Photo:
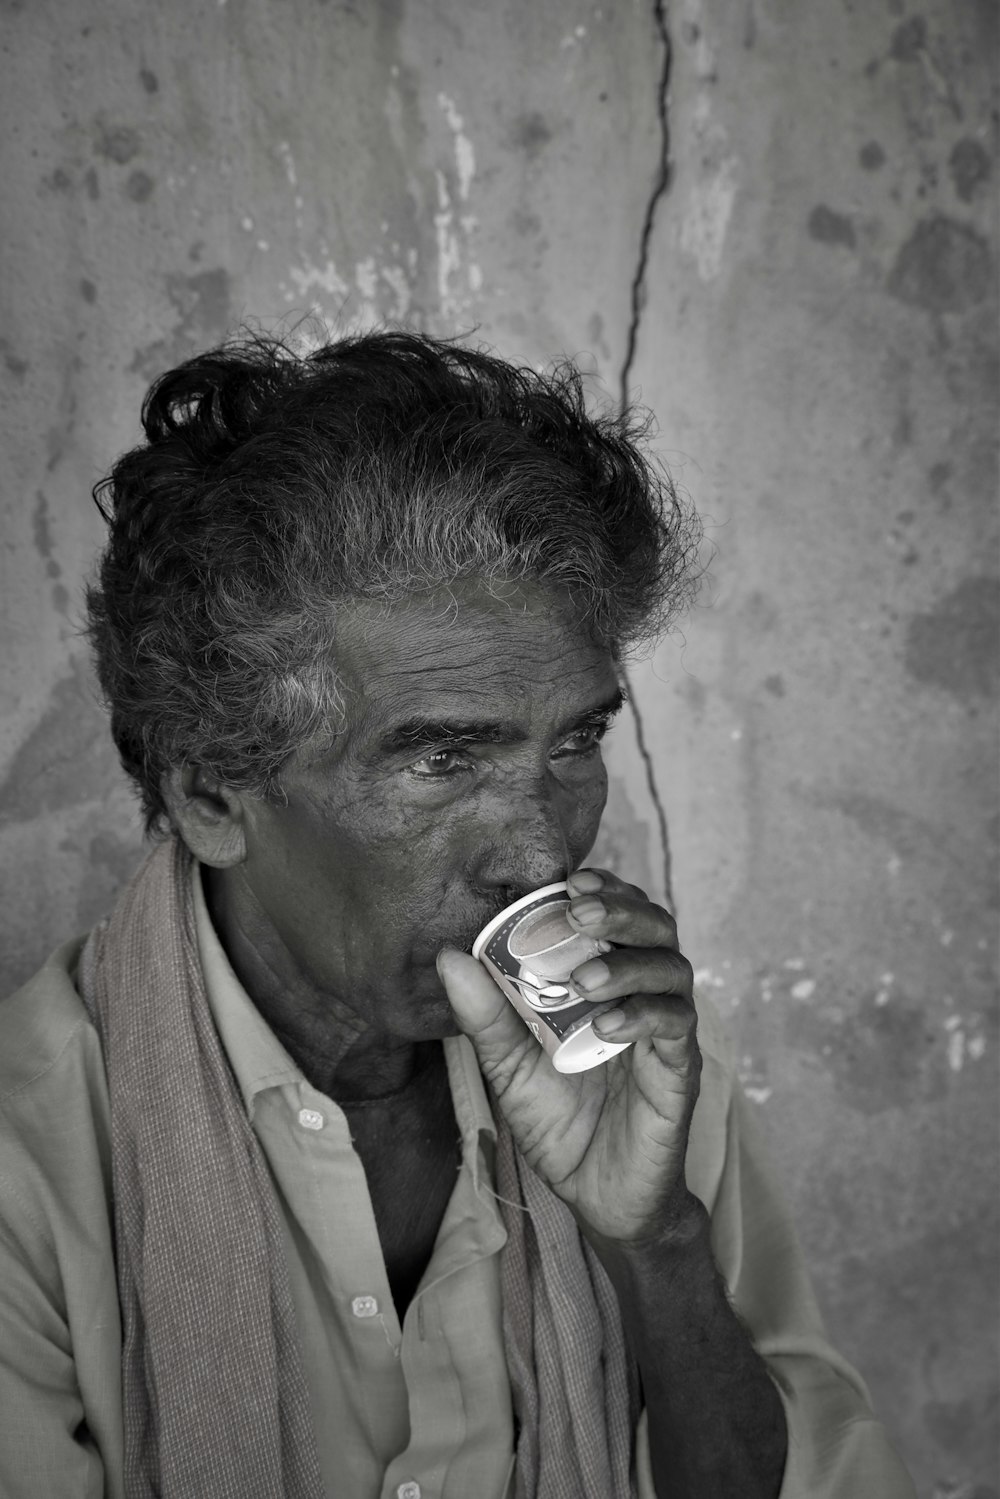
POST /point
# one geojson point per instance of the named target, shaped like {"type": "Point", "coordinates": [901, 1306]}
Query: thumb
{"type": "Point", "coordinates": [481, 1008]}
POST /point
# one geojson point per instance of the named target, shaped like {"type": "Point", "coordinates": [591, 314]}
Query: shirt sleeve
{"type": "Point", "coordinates": [45, 1447]}
{"type": "Point", "coordinates": [60, 1339]}
{"type": "Point", "coordinates": [836, 1447]}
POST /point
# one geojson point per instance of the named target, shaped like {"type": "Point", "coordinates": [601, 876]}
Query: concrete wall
{"type": "Point", "coordinates": [808, 303]}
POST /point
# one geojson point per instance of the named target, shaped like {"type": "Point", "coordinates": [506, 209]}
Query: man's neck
{"type": "Point", "coordinates": [339, 1055]}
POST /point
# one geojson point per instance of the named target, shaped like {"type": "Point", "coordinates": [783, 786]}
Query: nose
{"type": "Point", "coordinates": [526, 848]}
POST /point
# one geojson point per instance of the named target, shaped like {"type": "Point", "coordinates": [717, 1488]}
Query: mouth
{"type": "Point", "coordinates": [460, 936]}
{"type": "Point", "coordinates": [461, 930]}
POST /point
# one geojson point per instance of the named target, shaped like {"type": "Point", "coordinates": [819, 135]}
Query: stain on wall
{"type": "Point", "coordinates": [810, 309]}
{"type": "Point", "coordinates": [944, 266]}
{"type": "Point", "coordinates": [954, 645]}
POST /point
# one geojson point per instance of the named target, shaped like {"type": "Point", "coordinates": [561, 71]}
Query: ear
{"type": "Point", "coordinates": [208, 816]}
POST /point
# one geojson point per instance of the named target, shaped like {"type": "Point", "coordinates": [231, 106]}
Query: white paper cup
{"type": "Point", "coordinates": [530, 950]}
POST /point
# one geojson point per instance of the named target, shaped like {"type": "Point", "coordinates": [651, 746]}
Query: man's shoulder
{"type": "Point", "coordinates": [54, 1113]}
{"type": "Point", "coordinates": [40, 1022]}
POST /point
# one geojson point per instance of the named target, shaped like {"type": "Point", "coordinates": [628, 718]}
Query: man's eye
{"type": "Point", "coordinates": [441, 763]}
{"type": "Point", "coordinates": [584, 741]}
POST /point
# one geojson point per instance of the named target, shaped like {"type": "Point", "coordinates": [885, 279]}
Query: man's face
{"type": "Point", "coordinates": [468, 773]}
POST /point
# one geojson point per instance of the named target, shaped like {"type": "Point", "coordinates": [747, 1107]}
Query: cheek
{"type": "Point", "coordinates": [586, 811]}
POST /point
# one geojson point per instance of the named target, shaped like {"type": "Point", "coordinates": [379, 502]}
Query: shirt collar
{"type": "Point", "coordinates": [255, 1054]}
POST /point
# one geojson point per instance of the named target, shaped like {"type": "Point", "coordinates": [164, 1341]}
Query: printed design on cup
{"type": "Point", "coordinates": [531, 950]}
{"type": "Point", "coordinates": [545, 953]}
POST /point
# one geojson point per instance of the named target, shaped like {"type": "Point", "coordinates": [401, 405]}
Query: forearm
{"type": "Point", "coordinates": [716, 1421]}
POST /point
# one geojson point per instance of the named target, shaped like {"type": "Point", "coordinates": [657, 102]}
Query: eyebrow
{"type": "Point", "coordinates": [423, 732]}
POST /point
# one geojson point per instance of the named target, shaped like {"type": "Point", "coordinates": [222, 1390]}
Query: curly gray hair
{"type": "Point", "coordinates": [273, 488]}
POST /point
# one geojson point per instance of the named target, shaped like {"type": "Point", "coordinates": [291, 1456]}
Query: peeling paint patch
{"type": "Point", "coordinates": [366, 277]}
{"type": "Point", "coordinates": [449, 257]}
{"type": "Point", "coordinates": [203, 305]}
{"type": "Point", "coordinates": [288, 162]}
{"type": "Point", "coordinates": [705, 978]}
{"type": "Point", "coordinates": [395, 278]}
{"type": "Point", "coordinates": [325, 278]}
{"type": "Point", "coordinates": [454, 231]}
{"type": "Point", "coordinates": [944, 266]}
{"type": "Point", "coordinates": [964, 1039]}
{"type": "Point", "coordinates": [954, 645]}
{"type": "Point", "coordinates": [43, 535]}
{"type": "Point", "coordinates": [706, 219]}
{"type": "Point", "coordinates": [465, 156]}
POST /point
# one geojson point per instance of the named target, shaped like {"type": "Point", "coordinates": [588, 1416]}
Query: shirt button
{"type": "Point", "coordinates": [408, 1490]}
{"type": "Point", "coordinates": [310, 1119]}
{"type": "Point", "coordinates": [367, 1306]}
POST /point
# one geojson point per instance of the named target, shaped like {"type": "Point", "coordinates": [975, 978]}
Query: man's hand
{"type": "Point", "coordinates": [611, 1141]}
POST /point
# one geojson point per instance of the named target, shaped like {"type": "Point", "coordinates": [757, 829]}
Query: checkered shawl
{"type": "Point", "coordinates": [214, 1396]}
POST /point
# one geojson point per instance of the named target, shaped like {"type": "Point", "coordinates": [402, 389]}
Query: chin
{"type": "Point", "coordinates": [427, 1015]}
{"type": "Point", "coordinates": [441, 1018]}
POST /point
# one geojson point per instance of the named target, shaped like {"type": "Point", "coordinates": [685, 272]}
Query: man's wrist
{"type": "Point", "coordinates": [678, 1243]}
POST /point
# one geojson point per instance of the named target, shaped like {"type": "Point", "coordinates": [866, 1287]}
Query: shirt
{"type": "Point", "coordinates": [426, 1403]}
{"type": "Point", "coordinates": [414, 1411]}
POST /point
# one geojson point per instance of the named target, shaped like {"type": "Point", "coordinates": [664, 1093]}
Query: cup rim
{"type": "Point", "coordinates": [492, 926]}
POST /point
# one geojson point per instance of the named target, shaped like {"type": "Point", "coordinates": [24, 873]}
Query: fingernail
{"type": "Point", "coordinates": [586, 880]}
{"type": "Point", "coordinates": [592, 975]}
{"type": "Point", "coordinates": [588, 912]}
{"type": "Point", "coordinates": [611, 1020]}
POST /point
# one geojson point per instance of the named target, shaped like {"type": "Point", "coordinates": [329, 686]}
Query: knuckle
{"type": "Point", "coordinates": [685, 975]}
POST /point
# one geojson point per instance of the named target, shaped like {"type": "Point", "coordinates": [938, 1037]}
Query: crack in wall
{"type": "Point", "coordinates": [661, 183]}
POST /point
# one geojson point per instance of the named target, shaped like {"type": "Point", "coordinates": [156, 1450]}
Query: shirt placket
{"type": "Point", "coordinates": [443, 1339]}
{"type": "Point", "coordinates": [322, 1181]}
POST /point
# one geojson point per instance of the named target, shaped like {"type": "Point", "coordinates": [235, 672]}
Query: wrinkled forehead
{"type": "Point", "coordinates": [465, 648]}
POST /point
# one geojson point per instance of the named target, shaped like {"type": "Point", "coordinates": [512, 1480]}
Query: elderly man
{"type": "Point", "coordinates": [292, 1203]}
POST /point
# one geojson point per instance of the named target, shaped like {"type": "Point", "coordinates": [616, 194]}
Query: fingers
{"type": "Point", "coordinates": [477, 1001]}
{"type": "Point", "coordinates": [623, 916]}
{"type": "Point", "coordinates": [589, 881]}
{"type": "Point", "coordinates": [663, 1018]}
{"type": "Point", "coordinates": [483, 1011]}
{"type": "Point", "coordinates": [635, 970]}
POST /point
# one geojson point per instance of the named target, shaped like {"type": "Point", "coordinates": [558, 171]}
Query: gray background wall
{"type": "Point", "coordinates": [808, 302]}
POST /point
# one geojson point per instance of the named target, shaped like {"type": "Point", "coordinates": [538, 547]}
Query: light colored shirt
{"type": "Point", "coordinates": [426, 1403]}
{"type": "Point", "coordinates": [418, 1411]}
